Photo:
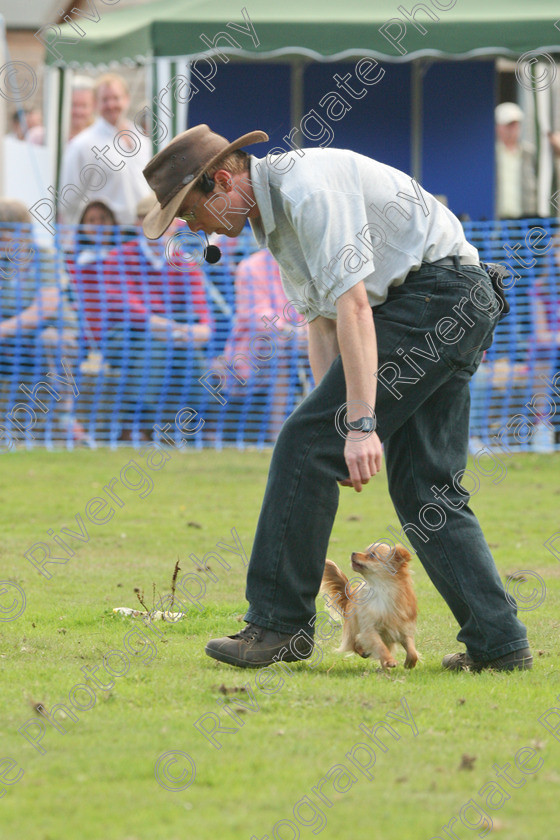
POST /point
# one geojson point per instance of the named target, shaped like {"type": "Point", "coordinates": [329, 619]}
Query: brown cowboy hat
{"type": "Point", "coordinates": [174, 171]}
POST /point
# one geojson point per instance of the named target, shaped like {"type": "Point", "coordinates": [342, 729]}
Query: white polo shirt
{"type": "Point", "coordinates": [123, 187]}
{"type": "Point", "coordinates": [332, 218]}
{"type": "Point", "coordinates": [509, 178]}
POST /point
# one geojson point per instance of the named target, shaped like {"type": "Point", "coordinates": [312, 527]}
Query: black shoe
{"type": "Point", "coordinates": [257, 647]}
{"type": "Point", "coordinates": [521, 659]}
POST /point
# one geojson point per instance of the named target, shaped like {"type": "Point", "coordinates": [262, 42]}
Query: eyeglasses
{"type": "Point", "coordinates": [190, 215]}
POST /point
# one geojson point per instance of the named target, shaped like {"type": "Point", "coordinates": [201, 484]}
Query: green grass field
{"type": "Point", "coordinates": [292, 743]}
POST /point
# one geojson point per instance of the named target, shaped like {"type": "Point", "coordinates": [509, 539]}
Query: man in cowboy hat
{"type": "Point", "coordinates": [400, 313]}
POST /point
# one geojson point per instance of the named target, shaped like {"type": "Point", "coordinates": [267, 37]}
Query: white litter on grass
{"type": "Point", "coordinates": [155, 615]}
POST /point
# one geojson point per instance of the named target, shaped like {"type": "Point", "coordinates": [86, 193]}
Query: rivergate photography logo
{"type": "Point", "coordinates": [18, 81]}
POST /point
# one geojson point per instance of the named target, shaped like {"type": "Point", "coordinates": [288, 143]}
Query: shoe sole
{"type": "Point", "coordinates": [476, 669]}
{"type": "Point", "coordinates": [222, 656]}
{"type": "Point", "coordinates": [524, 664]}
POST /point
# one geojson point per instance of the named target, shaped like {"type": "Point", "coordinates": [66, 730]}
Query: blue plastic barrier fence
{"type": "Point", "coordinates": [107, 340]}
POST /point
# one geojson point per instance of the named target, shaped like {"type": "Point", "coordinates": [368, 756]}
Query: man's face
{"type": "Point", "coordinates": [83, 104]}
{"type": "Point", "coordinates": [510, 133]}
{"type": "Point", "coordinates": [112, 102]}
{"type": "Point", "coordinates": [223, 211]}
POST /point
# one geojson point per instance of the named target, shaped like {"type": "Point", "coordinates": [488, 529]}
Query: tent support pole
{"type": "Point", "coordinates": [417, 106]}
{"type": "Point", "coordinates": [296, 93]}
{"type": "Point", "coordinates": [3, 54]}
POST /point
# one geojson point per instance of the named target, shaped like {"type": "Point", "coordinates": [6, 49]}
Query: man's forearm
{"type": "Point", "coordinates": [358, 348]}
{"type": "Point", "coordinates": [322, 346]}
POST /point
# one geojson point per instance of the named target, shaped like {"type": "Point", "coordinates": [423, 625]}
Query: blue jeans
{"type": "Point", "coordinates": [423, 422]}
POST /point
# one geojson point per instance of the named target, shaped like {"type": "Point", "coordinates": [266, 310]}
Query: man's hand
{"type": "Point", "coordinates": [363, 455]}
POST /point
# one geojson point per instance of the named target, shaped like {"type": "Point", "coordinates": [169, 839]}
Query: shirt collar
{"type": "Point", "coordinates": [106, 127]}
{"type": "Point", "coordinates": [264, 226]}
{"type": "Point", "coordinates": [102, 125]}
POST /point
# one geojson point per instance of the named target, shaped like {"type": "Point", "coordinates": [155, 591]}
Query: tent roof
{"type": "Point", "coordinates": [316, 29]}
{"type": "Point", "coordinates": [28, 15]}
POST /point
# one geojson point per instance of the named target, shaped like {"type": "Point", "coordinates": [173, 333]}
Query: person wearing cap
{"type": "Point", "coordinates": [400, 312]}
{"type": "Point", "coordinates": [516, 182]}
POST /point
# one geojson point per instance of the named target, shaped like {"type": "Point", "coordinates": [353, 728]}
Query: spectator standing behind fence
{"type": "Point", "coordinates": [124, 186]}
{"type": "Point", "coordinates": [516, 181]}
{"type": "Point", "coordinates": [164, 326]}
{"type": "Point", "coordinates": [260, 299]}
{"type": "Point", "coordinates": [37, 323]}
{"type": "Point", "coordinates": [82, 108]}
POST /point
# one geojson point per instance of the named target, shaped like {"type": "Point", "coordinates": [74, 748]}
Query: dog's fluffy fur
{"type": "Point", "coordinates": [382, 611]}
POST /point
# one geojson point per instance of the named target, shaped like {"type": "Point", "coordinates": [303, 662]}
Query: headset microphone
{"type": "Point", "coordinates": [212, 253]}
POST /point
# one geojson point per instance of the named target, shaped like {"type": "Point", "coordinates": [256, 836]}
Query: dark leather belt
{"type": "Point", "coordinates": [451, 261]}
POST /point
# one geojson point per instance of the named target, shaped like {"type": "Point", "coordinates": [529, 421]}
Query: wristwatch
{"type": "Point", "coordinates": [364, 424]}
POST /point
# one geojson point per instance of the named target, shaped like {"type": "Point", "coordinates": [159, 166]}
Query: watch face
{"type": "Point", "coordinates": [364, 424]}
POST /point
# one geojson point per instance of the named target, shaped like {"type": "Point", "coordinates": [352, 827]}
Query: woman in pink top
{"type": "Point", "coordinates": [267, 386]}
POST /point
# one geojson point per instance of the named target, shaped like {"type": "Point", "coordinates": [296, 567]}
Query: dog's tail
{"type": "Point", "coordinates": [335, 584]}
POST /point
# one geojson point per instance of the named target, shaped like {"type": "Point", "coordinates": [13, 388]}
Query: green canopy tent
{"type": "Point", "coordinates": [325, 30]}
{"type": "Point", "coordinates": [170, 35]}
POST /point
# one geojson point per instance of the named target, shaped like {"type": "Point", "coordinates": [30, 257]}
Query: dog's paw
{"type": "Point", "coordinates": [410, 662]}
{"type": "Point", "coordinates": [389, 663]}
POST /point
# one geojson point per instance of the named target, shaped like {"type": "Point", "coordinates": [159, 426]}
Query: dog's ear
{"type": "Point", "coordinates": [402, 555]}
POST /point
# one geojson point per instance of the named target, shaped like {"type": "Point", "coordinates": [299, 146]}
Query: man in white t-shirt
{"type": "Point", "coordinates": [105, 161]}
{"type": "Point", "coordinates": [516, 177]}
{"type": "Point", "coordinates": [400, 313]}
